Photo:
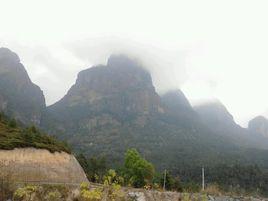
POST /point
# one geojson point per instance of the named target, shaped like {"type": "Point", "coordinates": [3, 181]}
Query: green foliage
{"type": "Point", "coordinates": [12, 123]}
{"type": "Point", "coordinates": [112, 182]}
{"type": "Point", "coordinates": [87, 194]}
{"type": "Point", "coordinates": [94, 167]}
{"type": "Point", "coordinates": [185, 197]}
{"type": "Point", "coordinates": [193, 187]}
{"type": "Point", "coordinates": [113, 178]}
{"type": "Point", "coordinates": [44, 192]}
{"type": "Point", "coordinates": [238, 178]}
{"type": "Point", "coordinates": [138, 171]}
{"type": "Point", "coordinates": [12, 136]}
{"type": "Point", "coordinates": [53, 196]}
{"type": "Point", "coordinates": [24, 193]}
{"type": "Point", "coordinates": [115, 192]}
{"type": "Point", "coordinates": [172, 183]}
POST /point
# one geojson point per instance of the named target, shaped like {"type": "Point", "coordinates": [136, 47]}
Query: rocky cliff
{"type": "Point", "coordinates": [114, 107]}
{"type": "Point", "coordinates": [40, 166]}
{"type": "Point", "coordinates": [19, 97]}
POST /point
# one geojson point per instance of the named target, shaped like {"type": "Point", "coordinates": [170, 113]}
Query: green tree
{"type": "Point", "coordinates": [138, 171]}
{"type": "Point", "coordinates": [12, 123]}
{"type": "Point", "coordinates": [94, 167]}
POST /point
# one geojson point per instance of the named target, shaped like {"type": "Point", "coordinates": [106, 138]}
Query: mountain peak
{"type": "Point", "coordinates": [259, 125]}
{"type": "Point", "coordinates": [120, 73]}
{"type": "Point", "coordinates": [121, 88]}
{"type": "Point", "coordinates": [121, 60]}
{"type": "Point", "coordinates": [176, 97]}
{"type": "Point", "coordinates": [19, 97]}
{"type": "Point", "coordinates": [7, 55]}
{"type": "Point", "coordinates": [215, 113]}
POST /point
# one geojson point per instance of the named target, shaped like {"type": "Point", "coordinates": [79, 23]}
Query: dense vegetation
{"type": "Point", "coordinates": [14, 136]}
{"type": "Point", "coordinates": [137, 172]}
{"type": "Point", "coordinates": [235, 178]}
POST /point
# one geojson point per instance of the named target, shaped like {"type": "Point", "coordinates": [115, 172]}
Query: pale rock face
{"type": "Point", "coordinates": [41, 166]}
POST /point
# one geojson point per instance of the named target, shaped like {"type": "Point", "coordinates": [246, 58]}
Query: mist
{"type": "Point", "coordinates": [165, 63]}
{"type": "Point", "coordinates": [209, 49]}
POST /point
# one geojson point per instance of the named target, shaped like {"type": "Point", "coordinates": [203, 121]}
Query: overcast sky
{"type": "Point", "coordinates": [209, 49]}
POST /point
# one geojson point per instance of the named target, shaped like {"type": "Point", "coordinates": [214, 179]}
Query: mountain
{"type": "Point", "coordinates": [19, 97]}
{"type": "Point", "coordinates": [114, 107]}
{"type": "Point", "coordinates": [26, 155]}
{"type": "Point", "coordinates": [178, 107]}
{"type": "Point", "coordinates": [215, 115]}
{"type": "Point", "coordinates": [259, 126]}
{"type": "Point", "coordinates": [218, 119]}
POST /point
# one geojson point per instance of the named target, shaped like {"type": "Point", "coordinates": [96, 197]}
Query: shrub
{"type": "Point", "coordinates": [53, 196]}
{"type": "Point", "coordinates": [91, 195]}
{"type": "Point", "coordinates": [138, 171]}
{"type": "Point", "coordinates": [24, 193]}
{"type": "Point", "coordinates": [87, 194]}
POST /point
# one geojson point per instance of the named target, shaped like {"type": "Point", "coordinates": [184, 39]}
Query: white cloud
{"type": "Point", "coordinates": [210, 48]}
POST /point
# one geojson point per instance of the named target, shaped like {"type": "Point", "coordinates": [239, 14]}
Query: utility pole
{"type": "Point", "coordinates": [203, 178]}
{"type": "Point", "coordinates": [165, 175]}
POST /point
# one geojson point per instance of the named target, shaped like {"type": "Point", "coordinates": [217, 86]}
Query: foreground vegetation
{"type": "Point", "coordinates": [139, 173]}
{"type": "Point", "coordinates": [136, 172]}
{"type": "Point", "coordinates": [13, 135]}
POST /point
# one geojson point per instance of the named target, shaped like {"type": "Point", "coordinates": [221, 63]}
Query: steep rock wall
{"type": "Point", "coordinates": [41, 166]}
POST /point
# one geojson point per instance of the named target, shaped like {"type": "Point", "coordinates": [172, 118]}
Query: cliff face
{"type": "Point", "coordinates": [121, 89]}
{"type": "Point", "coordinates": [114, 107]}
{"type": "Point", "coordinates": [41, 166]}
{"type": "Point", "coordinates": [19, 97]}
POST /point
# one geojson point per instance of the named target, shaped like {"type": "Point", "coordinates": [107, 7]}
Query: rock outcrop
{"type": "Point", "coordinates": [259, 126]}
{"type": "Point", "coordinates": [40, 166]}
{"type": "Point", "coordinates": [19, 97]}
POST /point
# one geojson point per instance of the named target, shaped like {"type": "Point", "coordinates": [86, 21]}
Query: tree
{"type": "Point", "coordinates": [94, 167]}
{"type": "Point", "coordinates": [138, 171]}
{"type": "Point", "coordinates": [12, 123]}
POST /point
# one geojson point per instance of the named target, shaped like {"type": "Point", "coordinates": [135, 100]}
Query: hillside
{"type": "Point", "coordinates": [114, 107]}
{"type": "Point", "coordinates": [12, 136]}
{"type": "Point", "coordinates": [219, 120]}
{"type": "Point", "coordinates": [19, 97]}
{"type": "Point", "coordinates": [27, 155]}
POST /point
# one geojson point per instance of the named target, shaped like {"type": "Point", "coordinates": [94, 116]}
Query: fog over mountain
{"type": "Point", "coordinates": [210, 56]}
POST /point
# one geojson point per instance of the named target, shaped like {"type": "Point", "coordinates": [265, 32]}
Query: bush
{"type": "Point", "coordinates": [12, 136]}
{"type": "Point", "coordinates": [53, 196]}
{"type": "Point", "coordinates": [87, 194]}
{"type": "Point", "coordinates": [91, 195]}
{"type": "Point", "coordinates": [138, 171]}
{"type": "Point", "coordinates": [24, 193]}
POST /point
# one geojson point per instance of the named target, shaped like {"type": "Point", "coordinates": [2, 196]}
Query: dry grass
{"type": "Point", "coordinates": [213, 189]}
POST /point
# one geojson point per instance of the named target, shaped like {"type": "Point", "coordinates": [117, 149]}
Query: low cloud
{"type": "Point", "coordinates": [165, 63]}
